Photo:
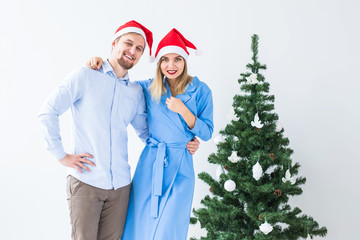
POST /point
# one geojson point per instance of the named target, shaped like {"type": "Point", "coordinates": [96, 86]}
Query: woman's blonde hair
{"type": "Point", "coordinates": [157, 87]}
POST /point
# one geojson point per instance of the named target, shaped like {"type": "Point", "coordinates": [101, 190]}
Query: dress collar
{"type": "Point", "coordinates": [190, 88]}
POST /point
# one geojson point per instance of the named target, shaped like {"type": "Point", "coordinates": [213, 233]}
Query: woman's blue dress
{"type": "Point", "coordinates": [163, 184]}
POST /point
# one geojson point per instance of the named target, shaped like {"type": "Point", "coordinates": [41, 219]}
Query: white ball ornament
{"type": "Point", "coordinates": [229, 185]}
{"type": "Point", "coordinates": [278, 127]}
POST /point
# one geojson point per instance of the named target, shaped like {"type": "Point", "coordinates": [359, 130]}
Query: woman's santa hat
{"type": "Point", "coordinates": [135, 27]}
{"type": "Point", "coordinates": [174, 42]}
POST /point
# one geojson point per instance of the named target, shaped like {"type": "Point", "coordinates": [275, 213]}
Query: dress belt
{"type": "Point", "coordinates": [158, 171]}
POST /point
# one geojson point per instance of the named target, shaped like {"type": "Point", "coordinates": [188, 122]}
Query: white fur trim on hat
{"type": "Point", "coordinates": [171, 49]}
{"type": "Point", "coordinates": [129, 30]}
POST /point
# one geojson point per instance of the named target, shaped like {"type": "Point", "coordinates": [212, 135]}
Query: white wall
{"type": "Point", "coordinates": [312, 52]}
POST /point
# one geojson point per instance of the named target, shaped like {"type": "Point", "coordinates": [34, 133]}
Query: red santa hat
{"type": "Point", "coordinates": [135, 27]}
{"type": "Point", "coordinates": [174, 42]}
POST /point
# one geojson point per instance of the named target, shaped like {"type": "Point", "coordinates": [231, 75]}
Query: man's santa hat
{"type": "Point", "coordinates": [174, 42]}
{"type": "Point", "coordinates": [135, 27]}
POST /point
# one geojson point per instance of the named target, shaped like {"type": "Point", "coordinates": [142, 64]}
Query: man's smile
{"type": "Point", "coordinates": [129, 57]}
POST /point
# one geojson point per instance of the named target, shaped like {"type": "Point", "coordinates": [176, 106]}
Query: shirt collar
{"type": "Point", "coordinates": [106, 67]}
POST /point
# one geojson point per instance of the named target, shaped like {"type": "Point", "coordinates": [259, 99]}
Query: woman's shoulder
{"type": "Point", "coordinates": [199, 85]}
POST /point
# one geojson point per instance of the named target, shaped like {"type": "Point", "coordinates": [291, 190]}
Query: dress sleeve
{"type": "Point", "coordinates": [204, 126]}
{"type": "Point", "coordinates": [59, 101]}
{"type": "Point", "coordinates": [144, 83]}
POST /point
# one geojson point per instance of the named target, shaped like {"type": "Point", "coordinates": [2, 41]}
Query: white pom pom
{"type": "Point", "coordinates": [229, 185]}
{"type": "Point", "coordinates": [278, 127]}
{"type": "Point", "coordinates": [151, 59]}
{"type": "Point", "coordinates": [198, 52]}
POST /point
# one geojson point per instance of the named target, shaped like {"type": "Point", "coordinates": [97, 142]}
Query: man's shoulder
{"type": "Point", "coordinates": [83, 71]}
{"type": "Point", "coordinates": [84, 74]}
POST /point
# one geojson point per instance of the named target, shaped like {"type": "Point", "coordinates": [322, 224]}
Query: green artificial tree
{"type": "Point", "coordinates": [255, 176]}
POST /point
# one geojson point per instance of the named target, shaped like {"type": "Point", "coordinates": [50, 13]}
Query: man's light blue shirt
{"type": "Point", "coordinates": [102, 106]}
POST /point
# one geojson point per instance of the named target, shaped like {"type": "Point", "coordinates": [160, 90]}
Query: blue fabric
{"type": "Point", "coordinates": [163, 185]}
{"type": "Point", "coordinates": [158, 171]}
{"type": "Point", "coordinates": [102, 106]}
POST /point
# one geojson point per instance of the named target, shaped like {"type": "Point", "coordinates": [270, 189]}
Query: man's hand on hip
{"type": "Point", "coordinates": [193, 145]}
{"type": "Point", "coordinates": [77, 161]}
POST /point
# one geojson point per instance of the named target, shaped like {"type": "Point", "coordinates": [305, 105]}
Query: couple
{"type": "Point", "coordinates": [167, 112]}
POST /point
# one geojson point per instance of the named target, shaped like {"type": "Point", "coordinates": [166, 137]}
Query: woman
{"type": "Point", "coordinates": [179, 108]}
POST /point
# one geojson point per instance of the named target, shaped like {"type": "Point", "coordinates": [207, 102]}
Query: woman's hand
{"type": "Point", "coordinates": [94, 63]}
{"type": "Point", "coordinates": [175, 105]}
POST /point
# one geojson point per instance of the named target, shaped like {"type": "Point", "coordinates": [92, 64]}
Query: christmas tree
{"type": "Point", "coordinates": [255, 176]}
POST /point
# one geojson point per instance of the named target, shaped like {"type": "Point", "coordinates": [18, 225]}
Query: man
{"type": "Point", "coordinates": [103, 103]}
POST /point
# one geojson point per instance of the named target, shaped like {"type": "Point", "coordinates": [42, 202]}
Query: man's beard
{"type": "Point", "coordinates": [126, 65]}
